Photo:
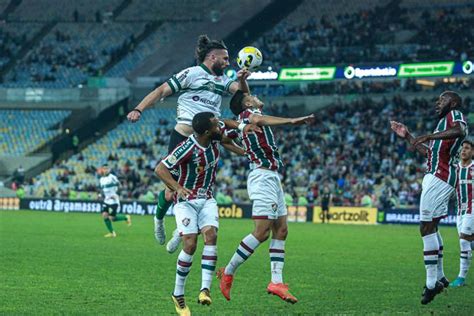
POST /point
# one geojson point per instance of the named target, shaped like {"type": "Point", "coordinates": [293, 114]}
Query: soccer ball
{"type": "Point", "coordinates": [249, 58]}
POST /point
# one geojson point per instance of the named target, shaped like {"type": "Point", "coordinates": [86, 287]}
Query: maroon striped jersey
{"type": "Point", "coordinates": [260, 148]}
{"type": "Point", "coordinates": [444, 154]}
{"type": "Point", "coordinates": [464, 189]}
{"type": "Point", "coordinates": [196, 167]}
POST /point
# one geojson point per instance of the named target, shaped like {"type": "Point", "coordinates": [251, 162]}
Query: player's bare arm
{"type": "Point", "coordinates": [229, 145]}
{"type": "Point", "coordinates": [456, 131]}
{"type": "Point", "coordinates": [402, 131]}
{"type": "Point", "coordinates": [164, 174]}
{"type": "Point", "coordinates": [241, 83]}
{"type": "Point", "coordinates": [266, 120]}
{"type": "Point", "coordinates": [248, 128]}
{"type": "Point", "coordinates": [159, 93]}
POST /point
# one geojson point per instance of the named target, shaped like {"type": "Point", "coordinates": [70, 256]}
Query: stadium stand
{"type": "Point", "coordinates": [68, 11]}
{"type": "Point", "coordinates": [24, 131]}
{"type": "Point", "coordinates": [345, 32]}
{"type": "Point", "coordinates": [72, 52]}
{"type": "Point", "coordinates": [355, 161]}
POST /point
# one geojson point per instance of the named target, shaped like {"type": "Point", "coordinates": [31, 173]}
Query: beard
{"type": "Point", "coordinates": [217, 69]}
{"type": "Point", "coordinates": [444, 111]}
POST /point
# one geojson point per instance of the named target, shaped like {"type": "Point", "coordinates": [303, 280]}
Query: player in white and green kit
{"type": "Point", "coordinates": [109, 185]}
{"type": "Point", "coordinates": [202, 88]}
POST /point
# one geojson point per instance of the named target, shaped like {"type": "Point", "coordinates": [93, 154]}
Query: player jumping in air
{"type": "Point", "coordinates": [109, 185]}
{"type": "Point", "coordinates": [438, 183]}
{"type": "Point", "coordinates": [196, 159]}
{"type": "Point", "coordinates": [202, 88]}
{"type": "Point", "coordinates": [264, 188]}
{"type": "Point", "coordinates": [464, 206]}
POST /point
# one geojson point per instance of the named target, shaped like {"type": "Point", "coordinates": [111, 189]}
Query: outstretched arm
{"type": "Point", "coordinates": [241, 83]}
{"type": "Point", "coordinates": [266, 120]}
{"type": "Point", "coordinates": [159, 93]}
{"type": "Point", "coordinates": [456, 131]}
{"type": "Point", "coordinates": [402, 131]}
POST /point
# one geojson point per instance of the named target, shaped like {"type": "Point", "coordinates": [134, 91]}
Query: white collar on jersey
{"type": "Point", "coordinates": [468, 166]}
{"type": "Point", "coordinates": [193, 138]}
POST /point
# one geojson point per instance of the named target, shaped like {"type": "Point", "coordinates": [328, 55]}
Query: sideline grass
{"type": "Point", "coordinates": [60, 263]}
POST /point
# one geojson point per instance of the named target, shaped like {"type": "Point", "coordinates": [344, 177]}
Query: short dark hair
{"type": "Point", "coordinates": [205, 45]}
{"type": "Point", "coordinates": [236, 102]}
{"type": "Point", "coordinates": [202, 122]}
{"type": "Point", "coordinates": [456, 98]}
{"type": "Point", "coordinates": [468, 141]}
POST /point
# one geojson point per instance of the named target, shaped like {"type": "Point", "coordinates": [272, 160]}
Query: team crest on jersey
{"type": "Point", "coordinates": [172, 159]}
{"type": "Point", "coordinates": [211, 86]}
{"type": "Point", "coordinates": [200, 169]}
{"type": "Point", "coordinates": [186, 221]}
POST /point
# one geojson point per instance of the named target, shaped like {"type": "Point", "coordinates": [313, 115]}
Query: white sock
{"type": "Point", "coordinates": [277, 259]}
{"type": "Point", "coordinates": [440, 271]}
{"type": "Point", "coordinates": [430, 256]}
{"type": "Point", "coordinates": [208, 265]}
{"type": "Point", "coordinates": [466, 257]}
{"type": "Point", "coordinates": [244, 251]}
{"type": "Point", "coordinates": [183, 266]}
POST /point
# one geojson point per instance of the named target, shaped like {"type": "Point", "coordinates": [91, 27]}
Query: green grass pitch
{"type": "Point", "coordinates": [57, 263]}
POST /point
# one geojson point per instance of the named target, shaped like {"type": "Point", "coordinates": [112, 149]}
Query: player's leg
{"type": "Point", "coordinates": [208, 222]}
{"type": "Point", "coordinates": [440, 269]}
{"type": "Point", "coordinates": [245, 249]}
{"type": "Point", "coordinates": [433, 206]}
{"type": "Point", "coordinates": [277, 251]}
{"type": "Point", "coordinates": [324, 216]}
{"type": "Point", "coordinates": [465, 228]}
{"type": "Point", "coordinates": [186, 220]}
{"type": "Point", "coordinates": [165, 197]}
{"type": "Point", "coordinates": [108, 224]}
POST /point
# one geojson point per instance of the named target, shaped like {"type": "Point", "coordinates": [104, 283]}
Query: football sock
{"type": "Point", "coordinates": [120, 217]}
{"type": "Point", "coordinates": [183, 266]}
{"type": "Point", "coordinates": [244, 251]}
{"type": "Point", "coordinates": [277, 259]}
{"type": "Point", "coordinates": [162, 206]}
{"type": "Point", "coordinates": [466, 257]}
{"type": "Point", "coordinates": [108, 223]}
{"type": "Point", "coordinates": [208, 265]}
{"type": "Point", "coordinates": [440, 257]}
{"type": "Point", "coordinates": [430, 256]}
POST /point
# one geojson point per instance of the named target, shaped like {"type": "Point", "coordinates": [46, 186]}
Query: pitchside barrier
{"type": "Point", "coordinates": [338, 214]}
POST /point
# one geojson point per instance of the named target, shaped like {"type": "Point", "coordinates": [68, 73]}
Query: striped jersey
{"type": "Point", "coordinates": [202, 92]}
{"type": "Point", "coordinates": [464, 189]}
{"type": "Point", "coordinates": [444, 154]}
{"type": "Point", "coordinates": [260, 148]}
{"type": "Point", "coordinates": [109, 186]}
{"type": "Point", "coordinates": [196, 166]}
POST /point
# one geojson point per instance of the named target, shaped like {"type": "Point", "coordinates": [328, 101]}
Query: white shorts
{"type": "Point", "coordinates": [435, 194]}
{"type": "Point", "coordinates": [465, 224]}
{"type": "Point", "coordinates": [266, 194]}
{"type": "Point", "coordinates": [191, 216]}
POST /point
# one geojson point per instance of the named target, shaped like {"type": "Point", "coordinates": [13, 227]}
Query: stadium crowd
{"type": "Point", "coordinates": [350, 149]}
{"type": "Point", "coordinates": [369, 35]}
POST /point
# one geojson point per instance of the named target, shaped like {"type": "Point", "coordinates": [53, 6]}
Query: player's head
{"type": "Point", "coordinates": [242, 101]}
{"type": "Point", "coordinates": [104, 170]}
{"type": "Point", "coordinates": [467, 149]}
{"type": "Point", "coordinates": [206, 124]}
{"type": "Point", "coordinates": [447, 101]}
{"type": "Point", "coordinates": [214, 52]}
